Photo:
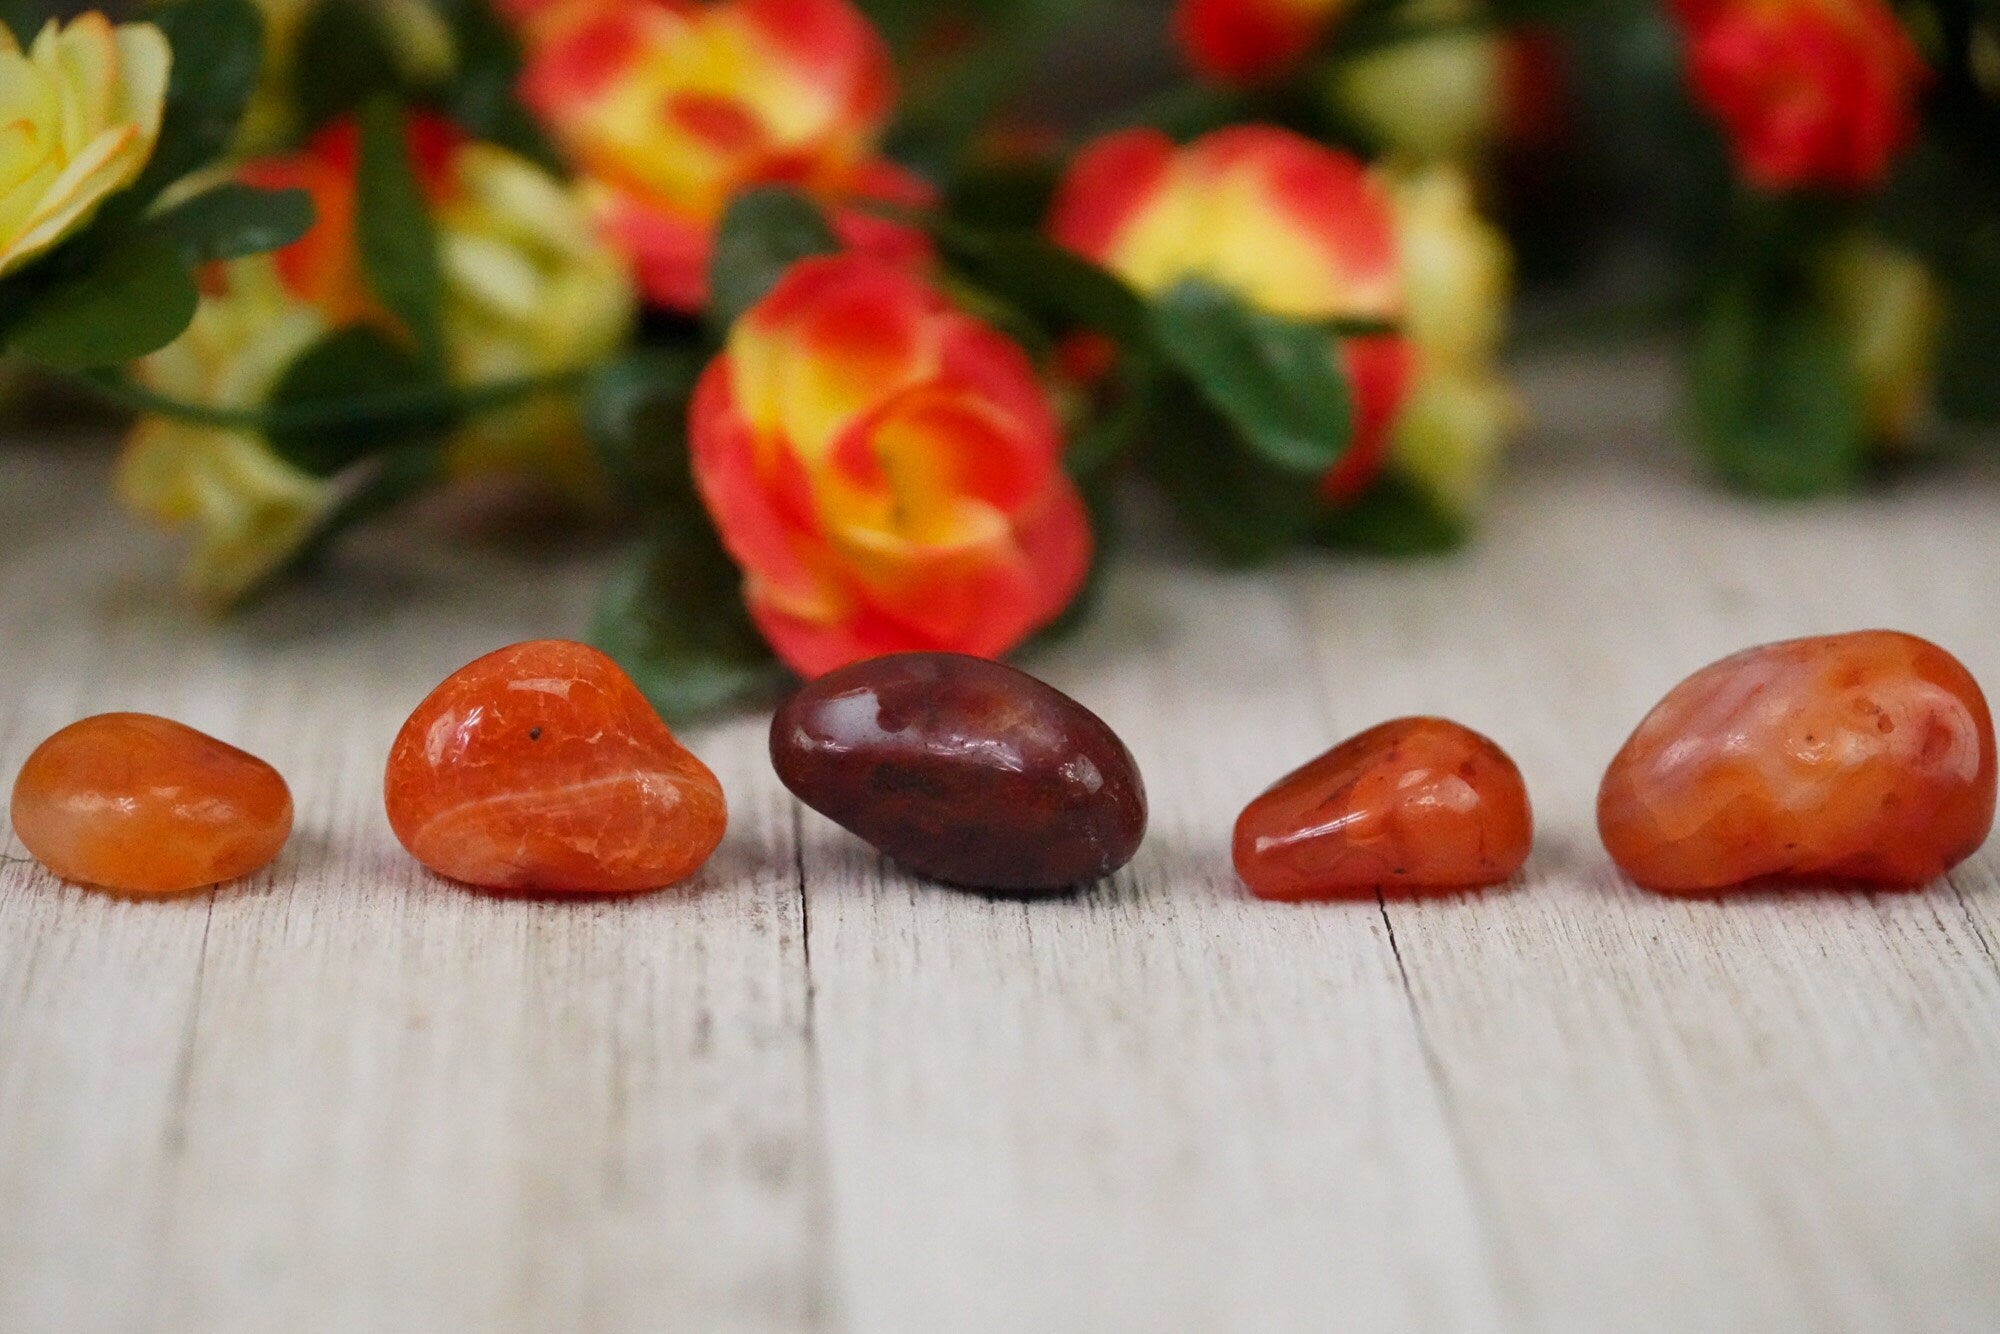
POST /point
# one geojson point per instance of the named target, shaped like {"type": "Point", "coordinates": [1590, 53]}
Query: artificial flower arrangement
{"type": "Point", "coordinates": [864, 368]}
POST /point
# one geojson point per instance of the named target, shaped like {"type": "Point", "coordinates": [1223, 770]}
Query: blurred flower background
{"type": "Point", "coordinates": [866, 318]}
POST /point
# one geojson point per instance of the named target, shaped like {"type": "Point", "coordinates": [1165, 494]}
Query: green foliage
{"type": "Point", "coordinates": [350, 395]}
{"type": "Point", "coordinates": [1277, 382]}
{"type": "Point", "coordinates": [948, 97]}
{"type": "Point", "coordinates": [24, 18]}
{"type": "Point", "coordinates": [394, 232]}
{"type": "Point", "coordinates": [231, 220]}
{"type": "Point", "coordinates": [1776, 404]}
{"type": "Point", "coordinates": [636, 413]}
{"type": "Point", "coordinates": [1394, 517]}
{"type": "Point", "coordinates": [344, 59]}
{"type": "Point", "coordinates": [672, 616]}
{"type": "Point", "coordinates": [135, 298]}
{"type": "Point", "coordinates": [218, 48]}
{"type": "Point", "coordinates": [347, 57]}
{"type": "Point", "coordinates": [1101, 442]}
{"type": "Point", "coordinates": [1242, 506]}
{"type": "Point", "coordinates": [480, 97]}
{"type": "Point", "coordinates": [1042, 280]}
{"type": "Point", "coordinates": [1969, 376]}
{"type": "Point", "coordinates": [763, 234]}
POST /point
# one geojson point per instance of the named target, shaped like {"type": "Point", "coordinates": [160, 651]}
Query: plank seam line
{"type": "Point", "coordinates": [1509, 1286]}
{"type": "Point", "coordinates": [1972, 921]}
{"type": "Point", "coordinates": [1506, 1266]}
{"type": "Point", "coordinates": [183, 1085]}
{"type": "Point", "coordinates": [820, 1298]}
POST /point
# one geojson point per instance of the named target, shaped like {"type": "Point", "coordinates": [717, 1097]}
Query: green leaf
{"type": "Point", "coordinates": [1044, 280]}
{"type": "Point", "coordinates": [672, 616]}
{"type": "Point", "coordinates": [1244, 508]}
{"type": "Point", "coordinates": [24, 18]}
{"type": "Point", "coordinates": [636, 413]}
{"type": "Point", "coordinates": [218, 48]}
{"type": "Point", "coordinates": [763, 234]}
{"type": "Point", "coordinates": [233, 220]}
{"type": "Point", "coordinates": [480, 98]}
{"type": "Point", "coordinates": [353, 393]}
{"type": "Point", "coordinates": [395, 233]}
{"type": "Point", "coordinates": [1775, 400]}
{"type": "Point", "coordinates": [135, 299]}
{"type": "Point", "coordinates": [343, 58]}
{"type": "Point", "coordinates": [1103, 439]}
{"type": "Point", "coordinates": [1396, 516]}
{"type": "Point", "coordinates": [1969, 361]}
{"type": "Point", "coordinates": [1276, 381]}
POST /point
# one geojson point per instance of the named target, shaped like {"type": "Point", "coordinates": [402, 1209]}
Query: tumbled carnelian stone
{"type": "Point", "coordinates": [1418, 805]}
{"type": "Point", "coordinates": [1860, 757]}
{"type": "Point", "coordinates": [542, 769]}
{"type": "Point", "coordinates": [144, 805]}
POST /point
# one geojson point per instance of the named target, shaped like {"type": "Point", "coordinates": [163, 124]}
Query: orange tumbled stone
{"type": "Point", "coordinates": [542, 769]}
{"type": "Point", "coordinates": [1418, 805]}
{"type": "Point", "coordinates": [143, 805]}
{"type": "Point", "coordinates": [1863, 757]}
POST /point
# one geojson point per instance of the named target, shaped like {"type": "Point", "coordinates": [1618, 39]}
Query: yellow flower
{"type": "Point", "coordinates": [1432, 97]}
{"type": "Point", "coordinates": [1888, 308]}
{"type": "Point", "coordinates": [1452, 434]}
{"type": "Point", "coordinates": [79, 115]}
{"type": "Point", "coordinates": [529, 290]}
{"type": "Point", "coordinates": [1457, 279]}
{"type": "Point", "coordinates": [250, 508]}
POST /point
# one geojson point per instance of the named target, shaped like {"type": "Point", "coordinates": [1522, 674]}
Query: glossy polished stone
{"type": "Point", "coordinates": [964, 770]}
{"type": "Point", "coordinates": [1414, 806]}
{"type": "Point", "coordinates": [1861, 757]}
{"type": "Point", "coordinates": [144, 805]}
{"type": "Point", "coordinates": [542, 769]}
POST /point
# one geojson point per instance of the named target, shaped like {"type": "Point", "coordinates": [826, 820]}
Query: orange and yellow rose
{"type": "Point", "coordinates": [79, 115]}
{"type": "Point", "coordinates": [1306, 232]}
{"type": "Point", "coordinates": [1288, 225]}
{"type": "Point", "coordinates": [670, 108]}
{"type": "Point", "coordinates": [1248, 41]}
{"type": "Point", "coordinates": [886, 470]}
{"type": "Point", "coordinates": [1811, 93]}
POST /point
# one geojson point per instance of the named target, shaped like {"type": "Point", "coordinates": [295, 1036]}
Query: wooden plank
{"type": "Point", "coordinates": [816, 1093]}
{"type": "Point", "coordinates": [1774, 1112]}
{"type": "Point", "coordinates": [1160, 1105]}
{"type": "Point", "coordinates": [347, 1096]}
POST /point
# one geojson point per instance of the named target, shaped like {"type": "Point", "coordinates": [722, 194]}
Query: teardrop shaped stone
{"type": "Point", "coordinates": [964, 770]}
{"type": "Point", "coordinates": [1417, 805]}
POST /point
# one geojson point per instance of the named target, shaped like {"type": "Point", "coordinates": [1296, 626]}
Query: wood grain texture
{"type": "Point", "coordinates": [809, 1092]}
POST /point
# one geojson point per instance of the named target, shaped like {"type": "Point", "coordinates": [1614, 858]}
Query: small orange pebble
{"type": "Point", "coordinates": [1863, 757]}
{"type": "Point", "coordinates": [541, 768]}
{"type": "Point", "coordinates": [1418, 805]}
{"type": "Point", "coordinates": [143, 805]}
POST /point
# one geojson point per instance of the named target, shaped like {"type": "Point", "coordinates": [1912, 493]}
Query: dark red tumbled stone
{"type": "Point", "coordinates": [964, 770]}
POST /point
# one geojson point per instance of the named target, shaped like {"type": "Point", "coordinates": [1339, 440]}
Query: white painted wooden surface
{"type": "Point", "coordinates": [810, 1093]}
